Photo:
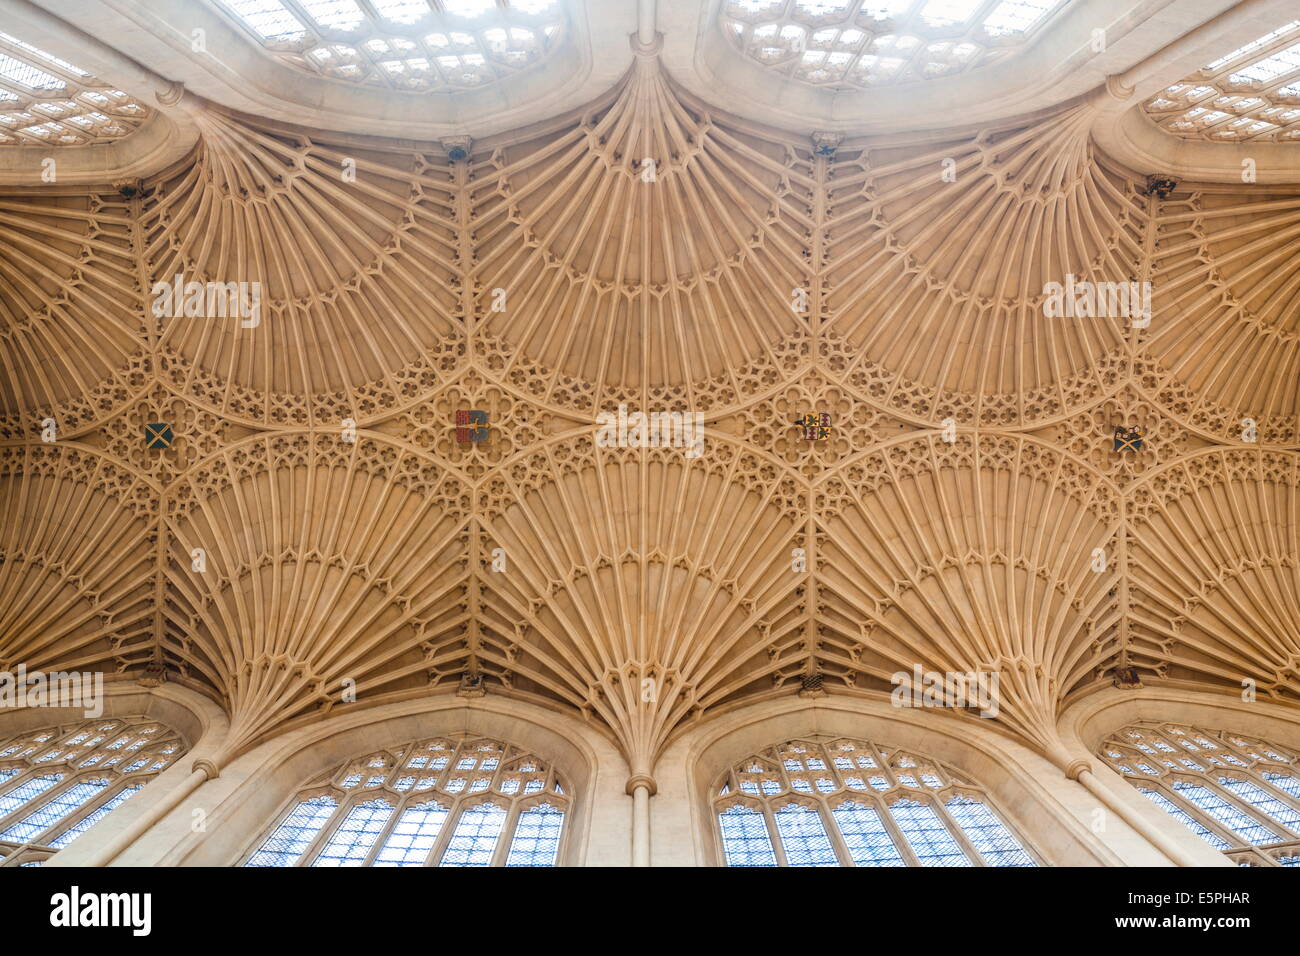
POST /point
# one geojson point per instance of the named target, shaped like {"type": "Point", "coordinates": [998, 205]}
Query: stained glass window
{"type": "Point", "coordinates": [828, 802]}
{"type": "Point", "coordinates": [450, 801]}
{"type": "Point", "coordinates": [1236, 793]}
{"type": "Point", "coordinates": [58, 782]}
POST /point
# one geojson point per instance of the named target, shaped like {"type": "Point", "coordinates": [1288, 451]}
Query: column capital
{"type": "Point", "coordinates": [1078, 767]}
{"type": "Point", "coordinates": [642, 780]}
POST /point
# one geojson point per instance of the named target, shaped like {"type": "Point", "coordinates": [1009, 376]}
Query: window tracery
{"type": "Point", "coordinates": [1251, 93]}
{"type": "Point", "coordinates": [844, 802]}
{"type": "Point", "coordinates": [58, 782]}
{"type": "Point", "coordinates": [458, 800]}
{"type": "Point", "coordinates": [860, 44]}
{"type": "Point", "coordinates": [47, 101]}
{"type": "Point", "coordinates": [405, 44]}
{"type": "Point", "coordinates": [1239, 794]}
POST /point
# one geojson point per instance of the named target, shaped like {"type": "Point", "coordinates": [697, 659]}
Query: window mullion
{"type": "Point", "coordinates": [454, 808]}
{"type": "Point", "coordinates": [833, 831]}
{"type": "Point", "coordinates": [719, 841]}
{"type": "Point", "coordinates": [896, 834]}
{"type": "Point", "coordinates": [1238, 752]}
{"type": "Point", "coordinates": [981, 14]}
{"type": "Point", "coordinates": [40, 800]}
{"type": "Point", "coordinates": [26, 776]}
{"type": "Point", "coordinates": [385, 831]}
{"type": "Point", "coordinates": [507, 838]}
{"type": "Point", "coordinates": [494, 778]}
{"type": "Point", "coordinates": [773, 834]}
{"type": "Point", "coordinates": [958, 832]}
{"type": "Point", "coordinates": [1196, 813]}
{"type": "Point", "coordinates": [323, 835]}
{"type": "Point", "coordinates": [1263, 857]}
{"type": "Point", "coordinates": [305, 19]}
{"type": "Point", "coordinates": [1259, 816]}
{"type": "Point", "coordinates": [70, 820]}
{"type": "Point", "coordinates": [565, 827]}
{"type": "Point", "coordinates": [1257, 777]}
{"type": "Point", "coordinates": [84, 749]}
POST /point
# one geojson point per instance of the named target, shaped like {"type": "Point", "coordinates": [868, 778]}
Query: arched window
{"type": "Point", "coordinates": [451, 801]}
{"type": "Point", "coordinates": [405, 44]}
{"type": "Point", "coordinates": [47, 101]}
{"type": "Point", "coordinates": [1238, 794]}
{"type": "Point", "coordinates": [58, 782]}
{"type": "Point", "coordinates": [842, 802]}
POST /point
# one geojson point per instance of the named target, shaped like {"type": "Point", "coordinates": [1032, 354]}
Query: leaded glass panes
{"type": "Point", "coordinates": [1175, 811]}
{"type": "Point", "coordinates": [1275, 808]}
{"type": "Point", "coordinates": [1236, 793]}
{"type": "Point", "coordinates": [351, 842]}
{"type": "Point", "coordinates": [450, 801]}
{"type": "Point", "coordinates": [418, 45]}
{"type": "Point", "coordinates": [413, 836]}
{"type": "Point", "coordinates": [987, 833]}
{"type": "Point", "coordinates": [295, 833]}
{"type": "Point", "coordinates": [1251, 93]}
{"type": "Point", "coordinates": [1285, 782]}
{"type": "Point", "coordinates": [90, 819]}
{"type": "Point", "coordinates": [537, 837]}
{"type": "Point", "coordinates": [828, 802]}
{"type": "Point", "coordinates": [476, 835]}
{"type": "Point", "coordinates": [66, 801]}
{"type": "Point", "coordinates": [865, 836]}
{"type": "Point", "coordinates": [861, 44]}
{"type": "Point", "coordinates": [745, 839]}
{"type": "Point", "coordinates": [1223, 810]}
{"type": "Point", "coordinates": [47, 101]}
{"type": "Point", "coordinates": [26, 791]}
{"type": "Point", "coordinates": [58, 782]}
{"type": "Point", "coordinates": [929, 838]}
{"type": "Point", "coordinates": [803, 835]}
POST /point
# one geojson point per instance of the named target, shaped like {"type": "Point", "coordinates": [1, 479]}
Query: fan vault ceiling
{"type": "Point", "coordinates": [561, 569]}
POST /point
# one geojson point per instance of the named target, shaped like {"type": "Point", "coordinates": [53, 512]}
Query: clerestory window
{"type": "Point", "coordinates": [459, 800]}
{"type": "Point", "coordinates": [58, 782]}
{"type": "Point", "coordinates": [1239, 794]}
{"type": "Point", "coordinates": [416, 45]}
{"type": "Point", "coordinates": [844, 802]}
